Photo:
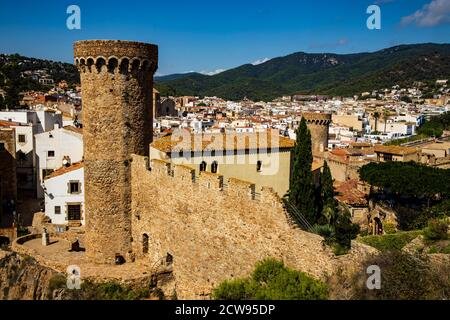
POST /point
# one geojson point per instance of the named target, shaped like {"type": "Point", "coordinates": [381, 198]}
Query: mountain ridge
{"type": "Point", "coordinates": [319, 73]}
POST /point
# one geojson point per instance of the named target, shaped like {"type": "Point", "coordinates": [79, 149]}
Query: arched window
{"type": "Point", "coordinates": [145, 243]}
{"type": "Point", "coordinates": [258, 165]}
{"type": "Point", "coordinates": [203, 166]}
{"type": "Point", "coordinates": [214, 166]}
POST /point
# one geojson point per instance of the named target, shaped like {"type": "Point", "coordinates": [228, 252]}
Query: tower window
{"type": "Point", "coordinates": [258, 165]}
{"type": "Point", "coordinates": [145, 243]}
{"type": "Point", "coordinates": [22, 138]}
{"type": "Point", "coordinates": [57, 209]}
{"type": "Point", "coordinates": [51, 154]}
{"type": "Point", "coordinates": [203, 166]}
{"type": "Point", "coordinates": [214, 166]}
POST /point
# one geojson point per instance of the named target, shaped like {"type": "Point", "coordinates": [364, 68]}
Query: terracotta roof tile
{"type": "Point", "coordinates": [64, 170]}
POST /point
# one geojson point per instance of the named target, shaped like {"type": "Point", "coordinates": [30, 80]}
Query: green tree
{"type": "Point", "coordinates": [302, 189]}
{"type": "Point", "coordinates": [329, 206]}
{"type": "Point", "coordinates": [344, 232]}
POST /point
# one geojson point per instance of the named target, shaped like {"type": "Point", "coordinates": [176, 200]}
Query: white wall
{"type": "Point", "coordinates": [57, 195]}
{"type": "Point", "coordinates": [63, 143]}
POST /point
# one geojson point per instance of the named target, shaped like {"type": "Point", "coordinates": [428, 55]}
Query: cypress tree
{"type": "Point", "coordinates": [327, 194]}
{"type": "Point", "coordinates": [301, 189]}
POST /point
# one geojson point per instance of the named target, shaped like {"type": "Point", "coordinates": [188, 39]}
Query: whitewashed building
{"type": "Point", "coordinates": [64, 195]}
{"type": "Point", "coordinates": [55, 149]}
{"type": "Point", "coordinates": [27, 123]}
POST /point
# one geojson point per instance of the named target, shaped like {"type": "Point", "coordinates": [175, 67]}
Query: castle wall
{"type": "Point", "coordinates": [214, 234]}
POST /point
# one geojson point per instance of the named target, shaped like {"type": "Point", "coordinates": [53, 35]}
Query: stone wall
{"type": "Point", "coordinates": [8, 180]}
{"type": "Point", "coordinates": [214, 234]}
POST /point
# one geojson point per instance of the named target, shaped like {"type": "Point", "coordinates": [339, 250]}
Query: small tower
{"type": "Point", "coordinates": [117, 85]}
{"type": "Point", "coordinates": [318, 124]}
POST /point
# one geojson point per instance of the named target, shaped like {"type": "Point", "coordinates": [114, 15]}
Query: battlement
{"type": "Point", "coordinates": [317, 118]}
{"type": "Point", "coordinates": [206, 181]}
{"type": "Point", "coordinates": [115, 56]}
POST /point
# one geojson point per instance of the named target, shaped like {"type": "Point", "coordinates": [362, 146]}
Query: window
{"type": "Point", "coordinates": [203, 166]}
{"type": "Point", "coordinates": [214, 166]}
{"type": "Point", "coordinates": [50, 153]}
{"type": "Point", "coordinates": [74, 187]}
{"type": "Point", "coordinates": [22, 138]}
{"type": "Point", "coordinates": [74, 211]}
{"type": "Point", "coordinates": [57, 209]}
{"type": "Point", "coordinates": [145, 243]}
{"type": "Point", "coordinates": [258, 165]}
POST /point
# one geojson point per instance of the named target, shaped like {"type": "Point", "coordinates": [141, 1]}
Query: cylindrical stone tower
{"type": "Point", "coordinates": [117, 84]}
{"type": "Point", "coordinates": [318, 124]}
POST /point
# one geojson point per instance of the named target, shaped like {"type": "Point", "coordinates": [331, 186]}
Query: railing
{"type": "Point", "coordinates": [297, 216]}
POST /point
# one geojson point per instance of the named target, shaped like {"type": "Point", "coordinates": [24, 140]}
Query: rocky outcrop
{"type": "Point", "coordinates": [22, 278]}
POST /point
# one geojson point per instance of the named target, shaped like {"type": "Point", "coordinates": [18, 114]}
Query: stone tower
{"type": "Point", "coordinates": [318, 124]}
{"type": "Point", "coordinates": [117, 85]}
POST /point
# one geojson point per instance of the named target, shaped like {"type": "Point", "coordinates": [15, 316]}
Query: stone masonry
{"type": "Point", "coordinates": [117, 82]}
{"type": "Point", "coordinates": [318, 124]}
{"type": "Point", "coordinates": [212, 234]}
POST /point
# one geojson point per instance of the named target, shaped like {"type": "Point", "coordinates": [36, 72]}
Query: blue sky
{"type": "Point", "coordinates": [205, 36]}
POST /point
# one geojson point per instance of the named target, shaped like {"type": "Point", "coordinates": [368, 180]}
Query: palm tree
{"type": "Point", "coordinates": [376, 115]}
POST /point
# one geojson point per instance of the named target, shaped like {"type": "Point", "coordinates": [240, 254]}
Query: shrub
{"type": "Point", "coordinates": [389, 228]}
{"type": "Point", "coordinates": [403, 277]}
{"type": "Point", "coordinates": [436, 230]}
{"type": "Point", "coordinates": [324, 230]}
{"type": "Point", "coordinates": [388, 242]}
{"type": "Point", "coordinates": [271, 280]}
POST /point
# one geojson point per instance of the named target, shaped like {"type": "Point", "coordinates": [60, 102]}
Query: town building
{"type": "Point", "coordinates": [55, 149]}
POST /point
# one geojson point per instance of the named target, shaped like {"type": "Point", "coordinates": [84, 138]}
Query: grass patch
{"type": "Point", "coordinates": [387, 242]}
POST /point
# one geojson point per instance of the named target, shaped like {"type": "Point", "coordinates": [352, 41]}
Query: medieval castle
{"type": "Point", "coordinates": [141, 212]}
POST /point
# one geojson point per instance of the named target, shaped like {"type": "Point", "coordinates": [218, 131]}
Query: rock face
{"type": "Point", "coordinates": [117, 84]}
{"type": "Point", "coordinates": [22, 278]}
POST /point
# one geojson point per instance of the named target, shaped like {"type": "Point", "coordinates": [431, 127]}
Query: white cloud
{"type": "Point", "coordinates": [434, 13]}
{"type": "Point", "coordinates": [260, 61]}
{"type": "Point", "coordinates": [211, 73]}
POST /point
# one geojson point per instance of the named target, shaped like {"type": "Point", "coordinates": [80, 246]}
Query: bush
{"type": "Point", "coordinates": [388, 242]}
{"type": "Point", "coordinates": [436, 230]}
{"type": "Point", "coordinates": [403, 277]}
{"type": "Point", "coordinates": [389, 228]}
{"type": "Point", "coordinates": [324, 230]}
{"type": "Point", "coordinates": [271, 280]}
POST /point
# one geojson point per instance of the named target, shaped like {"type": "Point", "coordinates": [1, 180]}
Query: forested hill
{"type": "Point", "coordinates": [324, 73]}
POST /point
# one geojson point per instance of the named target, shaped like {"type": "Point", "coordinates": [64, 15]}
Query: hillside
{"type": "Point", "coordinates": [327, 73]}
{"type": "Point", "coordinates": [19, 73]}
